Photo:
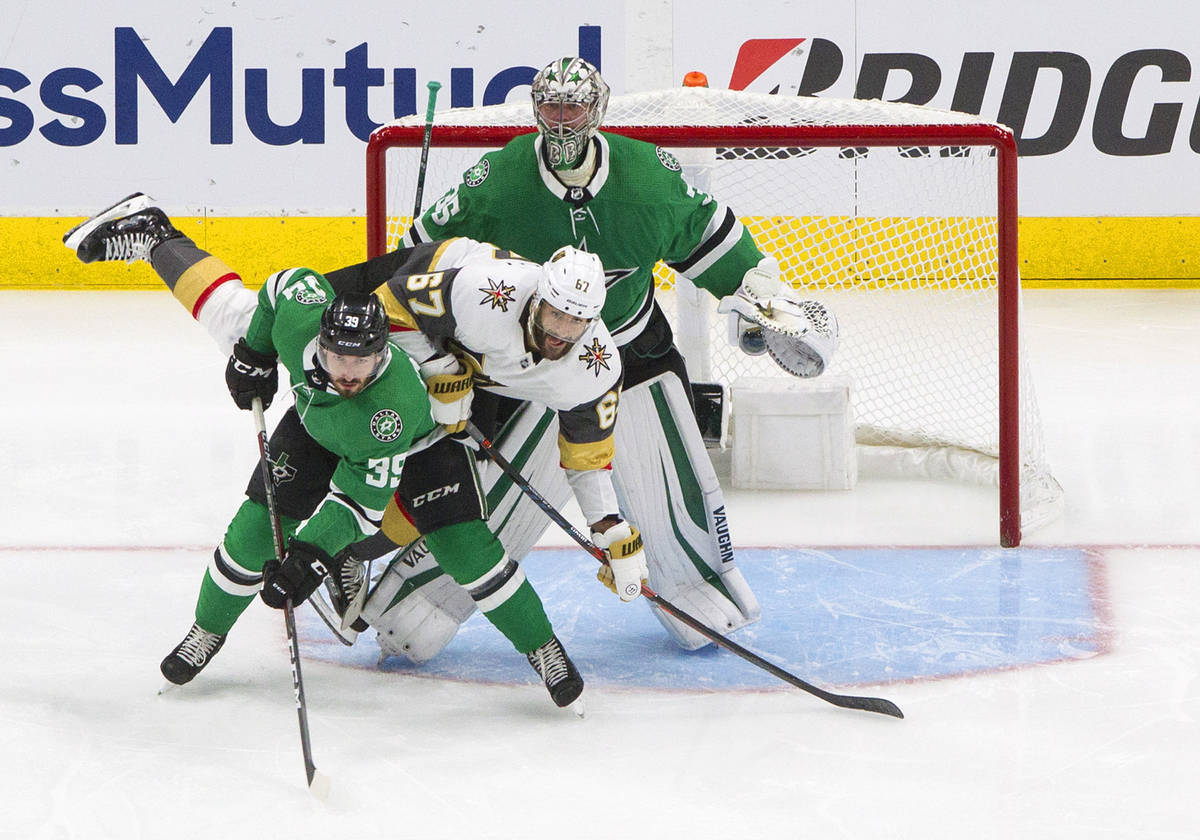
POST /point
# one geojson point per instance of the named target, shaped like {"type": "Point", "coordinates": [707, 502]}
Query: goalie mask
{"type": "Point", "coordinates": [568, 300]}
{"type": "Point", "coordinates": [569, 100]}
{"type": "Point", "coordinates": [352, 342]}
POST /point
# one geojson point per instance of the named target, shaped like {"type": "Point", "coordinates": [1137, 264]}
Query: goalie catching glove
{"type": "Point", "coordinates": [450, 391]}
{"type": "Point", "coordinates": [297, 577]}
{"type": "Point", "coordinates": [765, 317]}
{"type": "Point", "coordinates": [625, 569]}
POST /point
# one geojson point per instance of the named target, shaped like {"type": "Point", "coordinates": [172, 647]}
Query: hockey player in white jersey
{"type": "Point", "coordinates": [477, 319]}
{"type": "Point", "coordinates": [627, 202]}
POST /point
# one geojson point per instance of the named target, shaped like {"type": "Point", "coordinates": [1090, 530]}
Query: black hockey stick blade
{"type": "Point", "coordinates": [846, 701]}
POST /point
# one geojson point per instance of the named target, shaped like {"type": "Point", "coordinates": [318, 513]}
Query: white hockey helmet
{"type": "Point", "coordinates": [569, 101]}
{"type": "Point", "coordinates": [570, 294]}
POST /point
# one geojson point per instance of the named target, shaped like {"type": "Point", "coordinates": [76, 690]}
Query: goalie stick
{"type": "Point", "coordinates": [433, 89]}
{"type": "Point", "coordinates": [845, 701]}
{"type": "Point", "coordinates": [318, 783]}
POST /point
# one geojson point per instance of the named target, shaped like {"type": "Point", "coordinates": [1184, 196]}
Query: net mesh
{"type": "Point", "coordinates": [898, 237]}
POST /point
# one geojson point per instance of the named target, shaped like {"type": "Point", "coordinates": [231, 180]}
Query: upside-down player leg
{"type": "Point", "coordinates": [668, 488]}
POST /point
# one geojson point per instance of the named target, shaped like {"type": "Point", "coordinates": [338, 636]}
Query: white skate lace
{"type": "Point", "coordinates": [550, 662]}
{"type": "Point", "coordinates": [353, 575]}
{"type": "Point", "coordinates": [129, 247]}
{"type": "Point", "coordinates": [198, 646]}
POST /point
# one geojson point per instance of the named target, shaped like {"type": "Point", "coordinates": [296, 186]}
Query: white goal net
{"type": "Point", "coordinates": [900, 218]}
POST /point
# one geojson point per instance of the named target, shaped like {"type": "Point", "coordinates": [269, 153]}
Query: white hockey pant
{"type": "Point", "coordinates": [416, 608]}
{"type": "Point", "coordinates": [668, 488]}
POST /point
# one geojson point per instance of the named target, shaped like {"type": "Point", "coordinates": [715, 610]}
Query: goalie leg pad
{"type": "Point", "coordinates": [669, 490]}
{"type": "Point", "coordinates": [416, 608]}
{"type": "Point", "coordinates": [529, 440]}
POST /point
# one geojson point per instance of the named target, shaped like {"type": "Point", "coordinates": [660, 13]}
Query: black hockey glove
{"type": "Point", "coordinates": [251, 374]}
{"type": "Point", "coordinates": [301, 572]}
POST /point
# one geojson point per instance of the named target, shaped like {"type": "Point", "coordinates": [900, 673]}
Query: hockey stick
{"type": "Point", "coordinates": [318, 783]}
{"type": "Point", "coordinates": [433, 89]}
{"type": "Point", "coordinates": [845, 701]}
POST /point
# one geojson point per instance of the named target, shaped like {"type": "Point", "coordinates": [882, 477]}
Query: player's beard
{"type": "Point", "coordinates": [553, 349]}
{"type": "Point", "coordinates": [348, 388]}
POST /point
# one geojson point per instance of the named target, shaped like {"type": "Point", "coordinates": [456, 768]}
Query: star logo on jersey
{"type": "Point", "coordinates": [596, 356]}
{"type": "Point", "coordinates": [613, 276]}
{"type": "Point", "coordinates": [667, 159]}
{"type": "Point", "coordinates": [477, 174]}
{"type": "Point", "coordinates": [498, 295]}
{"type": "Point", "coordinates": [386, 425]}
{"type": "Point", "coordinates": [281, 471]}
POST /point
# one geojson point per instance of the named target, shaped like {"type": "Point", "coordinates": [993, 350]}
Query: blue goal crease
{"type": "Point", "coordinates": [836, 617]}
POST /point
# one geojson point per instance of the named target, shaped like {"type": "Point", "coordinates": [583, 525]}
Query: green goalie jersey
{"type": "Point", "coordinates": [636, 210]}
{"type": "Point", "coordinates": [369, 432]}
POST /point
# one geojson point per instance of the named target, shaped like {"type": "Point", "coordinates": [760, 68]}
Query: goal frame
{"type": "Point", "coordinates": [996, 137]}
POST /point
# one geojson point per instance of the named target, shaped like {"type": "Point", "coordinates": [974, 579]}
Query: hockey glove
{"type": "Point", "coordinates": [301, 572]}
{"type": "Point", "coordinates": [625, 570]}
{"type": "Point", "coordinates": [251, 374]}
{"type": "Point", "coordinates": [760, 285]}
{"type": "Point", "coordinates": [450, 393]}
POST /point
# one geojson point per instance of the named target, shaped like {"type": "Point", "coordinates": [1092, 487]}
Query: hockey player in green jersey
{"type": "Point", "coordinates": [626, 201]}
{"type": "Point", "coordinates": [362, 406]}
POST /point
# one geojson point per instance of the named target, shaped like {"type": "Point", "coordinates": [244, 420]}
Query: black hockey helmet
{"type": "Point", "coordinates": [355, 324]}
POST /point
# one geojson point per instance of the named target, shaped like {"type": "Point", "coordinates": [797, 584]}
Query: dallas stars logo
{"type": "Point", "coordinates": [498, 295]}
{"type": "Point", "coordinates": [596, 356]}
{"type": "Point", "coordinates": [477, 174]}
{"type": "Point", "coordinates": [386, 425]}
{"type": "Point", "coordinates": [281, 471]}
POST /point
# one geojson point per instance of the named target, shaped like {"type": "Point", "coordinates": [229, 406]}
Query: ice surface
{"type": "Point", "coordinates": [1066, 707]}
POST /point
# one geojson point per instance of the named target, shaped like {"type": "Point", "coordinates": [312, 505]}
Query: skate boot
{"type": "Point", "coordinates": [191, 655]}
{"type": "Point", "coordinates": [129, 231]}
{"type": "Point", "coordinates": [557, 671]}
{"type": "Point", "coordinates": [347, 587]}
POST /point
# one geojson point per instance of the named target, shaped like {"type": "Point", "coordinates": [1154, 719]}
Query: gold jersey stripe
{"type": "Point", "coordinates": [198, 282]}
{"type": "Point", "coordinates": [585, 456]}
{"type": "Point", "coordinates": [396, 525]}
{"type": "Point", "coordinates": [397, 314]}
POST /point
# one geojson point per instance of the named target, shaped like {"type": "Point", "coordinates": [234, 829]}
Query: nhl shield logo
{"type": "Point", "coordinates": [386, 425]}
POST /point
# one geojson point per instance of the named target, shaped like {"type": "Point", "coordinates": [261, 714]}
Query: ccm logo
{"type": "Point", "coordinates": [417, 501]}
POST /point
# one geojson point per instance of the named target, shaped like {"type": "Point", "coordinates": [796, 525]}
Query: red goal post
{"type": "Point", "coordinates": [895, 233]}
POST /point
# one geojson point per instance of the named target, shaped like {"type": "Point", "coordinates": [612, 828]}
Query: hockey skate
{"type": "Point", "coordinates": [191, 655]}
{"type": "Point", "coordinates": [559, 674]}
{"type": "Point", "coordinates": [129, 231]}
{"type": "Point", "coordinates": [346, 586]}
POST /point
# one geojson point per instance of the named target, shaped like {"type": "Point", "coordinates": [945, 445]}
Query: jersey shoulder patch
{"type": "Point", "coordinates": [478, 173]}
{"type": "Point", "coordinates": [667, 159]}
{"type": "Point", "coordinates": [596, 356]}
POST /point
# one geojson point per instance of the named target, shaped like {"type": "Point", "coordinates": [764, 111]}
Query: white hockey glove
{"type": "Point", "coordinates": [759, 285]}
{"type": "Point", "coordinates": [766, 317]}
{"type": "Point", "coordinates": [449, 383]}
{"type": "Point", "coordinates": [626, 568]}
